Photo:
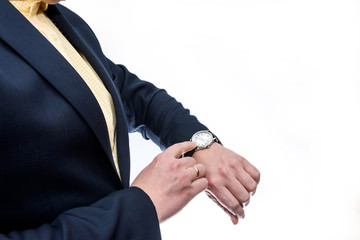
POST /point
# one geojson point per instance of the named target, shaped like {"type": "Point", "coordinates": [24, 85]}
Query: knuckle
{"type": "Point", "coordinates": [223, 172]}
{"type": "Point", "coordinates": [213, 182]}
{"type": "Point", "coordinates": [233, 165]}
{"type": "Point", "coordinates": [237, 162]}
{"type": "Point", "coordinates": [244, 197]}
{"type": "Point", "coordinates": [190, 161]}
{"type": "Point", "coordinates": [240, 159]}
{"type": "Point", "coordinates": [175, 164]}
{"type": "Point", "coordinates": [202, 169]}
{"type": "Point", "coordinates": [257, 174]}
{"type": "Point", "coordinates": [180, 179]}
{"type": "Point", "coordinates": [184, 178]}
{"type": "Point", "coordinates": [235, 206]}
{"type": "Point", "coordinates": [158, 158]}
{"type": "Point", "coordinates": [189, 194]}
{"type": "Point", "coordinates": [205, 183]}
{"type": "Point", "coordinates": [252, 186]}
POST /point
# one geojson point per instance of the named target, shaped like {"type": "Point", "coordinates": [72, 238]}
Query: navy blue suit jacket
{"type": "Point", "coordinates": [57, 176]}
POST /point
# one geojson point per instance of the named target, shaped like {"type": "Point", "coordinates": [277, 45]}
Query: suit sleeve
{"type": "Point", "coordinates": [152, 111]}
{"type": "Point", "coordinates": [109, 218]}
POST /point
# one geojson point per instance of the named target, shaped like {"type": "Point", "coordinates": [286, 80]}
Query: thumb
{"type": "Point", "coordinates": [178, 149]}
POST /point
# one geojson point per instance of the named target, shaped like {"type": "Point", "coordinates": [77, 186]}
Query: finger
{"type": "Point", "coordinates": [246, 180]}
{"type": "Point", "coordinates": [234, 218]}
{"type": "Point", "coordinates": [253, 193]}
{"type": "Point", "coordinates": [239, 192]}
{"type": "Point", "coordinates": [252, 171]}
{"type": "Point", "coordinates": [247, 203]}
{"type": "Point", "coordinates": [227, 199]}
{"type": "Point", "coordinates": [178, 149]}
{"type": "Point", "coordinates": [187, 162]}
{"type": "Point", "coordinates": [195, 172]}
{"type": "Point", "coordinates": [232, 204]}
{"type": "Point", "coordinates": [198, 186]}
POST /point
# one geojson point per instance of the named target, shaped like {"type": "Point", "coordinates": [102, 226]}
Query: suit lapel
{"type": "Point", "coordinates": [40, 54]}
{"type": "Point", "coordinates": [97, 61]}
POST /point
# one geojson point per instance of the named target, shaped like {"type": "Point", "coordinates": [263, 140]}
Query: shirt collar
{"type": "Point", "coordinates": [30, 7]}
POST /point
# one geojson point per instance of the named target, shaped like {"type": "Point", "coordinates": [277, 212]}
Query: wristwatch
{"type": "Point", "coordinates": [203, 140]}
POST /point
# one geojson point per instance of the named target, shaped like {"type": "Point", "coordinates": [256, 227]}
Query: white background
{"type": "Point", "coordinates": [277, 80]}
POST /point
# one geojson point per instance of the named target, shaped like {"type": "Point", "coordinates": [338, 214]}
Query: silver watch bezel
{"type": "Point", "coordinates": [199, 147]}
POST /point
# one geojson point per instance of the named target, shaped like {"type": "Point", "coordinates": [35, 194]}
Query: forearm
{"type": "Point", "coordinates": [170, 121]}
{"type": "Point", "coordinates": [153, 112]}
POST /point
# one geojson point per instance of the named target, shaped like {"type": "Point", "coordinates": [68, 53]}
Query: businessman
{"type": "Point", "coordinates": [65, 114]}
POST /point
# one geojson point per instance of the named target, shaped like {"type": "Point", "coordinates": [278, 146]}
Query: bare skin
{"type": "Point", "coordinates": [171, 182]}
{"type": "Point", "coordinates": [232, 179]}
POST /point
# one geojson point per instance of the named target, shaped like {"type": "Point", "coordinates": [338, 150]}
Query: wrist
{"type": "Point", "coordinates": [207, 151]}
{"type": "Point", "coordinates": [204, 139]}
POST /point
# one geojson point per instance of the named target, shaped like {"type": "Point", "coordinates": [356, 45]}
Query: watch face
{"type": "Point", "coordinates": [202, 139]}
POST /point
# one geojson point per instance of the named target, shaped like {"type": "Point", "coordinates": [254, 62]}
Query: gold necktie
{"type": "Point", "coordinates": [34, 12]}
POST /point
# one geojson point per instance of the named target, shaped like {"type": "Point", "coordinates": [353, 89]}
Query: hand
{"type": "Point", "coordinates": [231, 179]}
{"type": "Point", "coordinates": [171, 182]}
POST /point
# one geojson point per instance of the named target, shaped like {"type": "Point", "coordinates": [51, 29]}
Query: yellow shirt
{"type": "Point", "coordinates": [33, 10]}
